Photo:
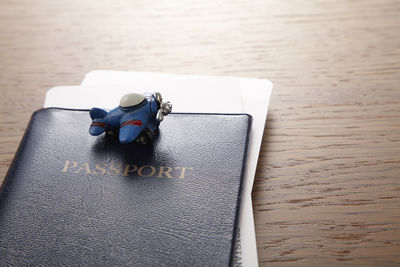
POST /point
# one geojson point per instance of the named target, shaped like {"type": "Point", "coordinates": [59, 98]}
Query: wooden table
{"type": "Point", "coordinates": [327, 189]}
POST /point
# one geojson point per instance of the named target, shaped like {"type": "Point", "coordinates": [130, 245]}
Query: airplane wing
{"type": "Point", "coordinates": [130, 127]}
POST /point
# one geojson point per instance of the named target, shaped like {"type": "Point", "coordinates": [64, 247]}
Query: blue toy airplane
{"type": "Point", "coordinates": [135, 119]}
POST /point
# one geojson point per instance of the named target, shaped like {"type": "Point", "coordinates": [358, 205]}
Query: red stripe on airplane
{"type": "Point", "coordinates": [99, 124]}
{"type": "Point", "coordinates": [132, 122]}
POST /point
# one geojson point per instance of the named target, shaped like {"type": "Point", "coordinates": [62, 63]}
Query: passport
{"type": "Point", "coordinates": [73, 199]}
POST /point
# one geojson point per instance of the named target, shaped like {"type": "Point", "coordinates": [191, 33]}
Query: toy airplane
{"type": "Point", "coordinates": [135, 119]}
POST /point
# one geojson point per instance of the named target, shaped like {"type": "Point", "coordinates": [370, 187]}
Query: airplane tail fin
{"type": "Point", "coordinates": [97, 113]}
{"type": "Point", "coordinates": [98, 125]}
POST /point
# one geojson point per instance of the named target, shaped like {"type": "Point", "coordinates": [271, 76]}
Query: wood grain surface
{"type": "Point", "coordinates": [327, 189]}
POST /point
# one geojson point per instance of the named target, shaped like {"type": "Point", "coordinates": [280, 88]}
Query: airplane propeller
{"type": "Point", "coordinates": [165, 107]}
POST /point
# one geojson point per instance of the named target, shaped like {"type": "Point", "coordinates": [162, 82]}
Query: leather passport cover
{"type": "Point", "coordinates": [70, 198]}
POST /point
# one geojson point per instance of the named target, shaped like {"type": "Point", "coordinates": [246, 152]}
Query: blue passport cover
{"type": "Point", "coordinates": [73, 199]}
